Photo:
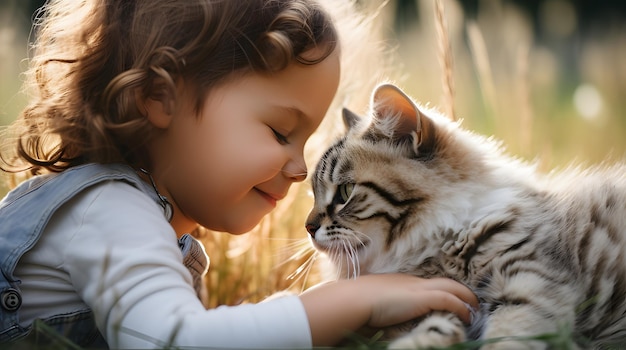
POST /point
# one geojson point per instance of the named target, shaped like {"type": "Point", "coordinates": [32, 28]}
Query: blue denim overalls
{"type": "Point", "coordinates": [25, 212]}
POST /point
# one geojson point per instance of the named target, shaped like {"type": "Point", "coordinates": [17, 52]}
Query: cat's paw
{"type": "Point", "coordinates": [437, 330]}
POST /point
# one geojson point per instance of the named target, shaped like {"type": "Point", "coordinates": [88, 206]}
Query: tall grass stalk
{"type": "Point", "coordinates": [445, 59]}
{"type": "Point", "coordinates": [478, 48]}
{"type": "Point", "coordinates": [523, 97]}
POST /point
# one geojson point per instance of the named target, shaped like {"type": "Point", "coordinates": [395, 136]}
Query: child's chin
{"type": "Point", "coordinates": [242, 228]}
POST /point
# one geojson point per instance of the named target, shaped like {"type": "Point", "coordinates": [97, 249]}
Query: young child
{"type": "Point", "coordinates": [150, 118]}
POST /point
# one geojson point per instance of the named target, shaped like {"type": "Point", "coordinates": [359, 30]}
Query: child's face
{"type": "Point", "coordinates": [227, 168]}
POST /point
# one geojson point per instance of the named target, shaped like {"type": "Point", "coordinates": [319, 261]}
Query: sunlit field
{"type": "Point", "coordinates": [556, 100]}
{"type": "Point", "coordinates": [550, 86]}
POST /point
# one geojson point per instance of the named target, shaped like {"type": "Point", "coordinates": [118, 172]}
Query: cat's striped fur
{"type": "Point", "coordinates": [413, 192]}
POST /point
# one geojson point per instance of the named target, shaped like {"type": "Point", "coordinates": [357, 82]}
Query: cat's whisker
{"type": "Point", "coordinates": [352, 268]}
{"type": "Point", "coordinates": [303, 272]}
{"type": "Point", "coordinates": [346, 256]}
{"type": "Point", "coordinates": [304, 253]}
{"type": "Point", "coordinates": [335, 256]}
{"type": "Point", "coordinates": [362, 238]}
{"type": "Point", "coordinates": [352, 259]}
{"type": "Point", "coordinates": [340, 272]}
{"type": "Point", "coordinates": [297, 249]}
{"type": "Point", "coordinates": [339, 259]}
{"type": "Point", "coordinates": [351, 256]}
{"type": "Point", "coordinates": [305, 265]}
{"type": "Point", "coordinates": [303, 249]}
{"type": "Point", "coordinates": [355, 261]}
{"type": "Point", "coordinates": [312, 262]}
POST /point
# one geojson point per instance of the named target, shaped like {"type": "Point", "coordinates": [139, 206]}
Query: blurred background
{"type": "Point", "coordinates": [548, 77]}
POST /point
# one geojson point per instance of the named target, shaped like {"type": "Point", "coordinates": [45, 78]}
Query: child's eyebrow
{"type": "Point", "coordinates": [293, 112]}
{"type": "Point", "coordinates": [296, 116]}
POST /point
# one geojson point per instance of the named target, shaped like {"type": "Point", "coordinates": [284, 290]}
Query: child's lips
{"type": "Point", "coordinates": [272, 198]}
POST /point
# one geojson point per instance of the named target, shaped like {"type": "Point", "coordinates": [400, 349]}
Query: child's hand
{"type": "Point", "coordinates": [397, 298]}
{"type": "Point", "coordinates": [380, 300]}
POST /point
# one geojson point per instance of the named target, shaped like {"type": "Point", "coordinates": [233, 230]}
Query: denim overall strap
{"type": "Point", "coordinates": [25, 212]}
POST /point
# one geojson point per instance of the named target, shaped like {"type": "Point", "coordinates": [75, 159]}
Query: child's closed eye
{"type": "Point", "coordinates": [282, 139]}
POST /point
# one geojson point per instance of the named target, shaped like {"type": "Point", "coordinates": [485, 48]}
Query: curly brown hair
{"type": "Point", "coordinates": [95, 60]}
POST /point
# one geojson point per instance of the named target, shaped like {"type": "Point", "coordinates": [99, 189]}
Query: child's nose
{"type": "Point", "coordinates": [297, 176]}
{"type": "Point", "coordinates": [296, 171]}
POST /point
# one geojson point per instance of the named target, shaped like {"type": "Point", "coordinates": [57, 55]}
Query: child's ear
{"type": "Point", "coordinates": [158, 112]}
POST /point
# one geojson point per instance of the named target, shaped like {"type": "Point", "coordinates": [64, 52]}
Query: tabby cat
{"type": "Point", "coordinates": [410, 191]}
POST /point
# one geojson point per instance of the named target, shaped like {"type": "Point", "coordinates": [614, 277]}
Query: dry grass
{"type": "Point", "coordinates": [445, 59]}
{"type": "Point", "coordinates": [536, 93]}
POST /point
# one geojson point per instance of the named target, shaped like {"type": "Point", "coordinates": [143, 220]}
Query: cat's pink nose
{"type": "Point", "coordinates": [311, 229]}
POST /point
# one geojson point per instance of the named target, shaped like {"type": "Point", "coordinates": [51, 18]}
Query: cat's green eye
{"type": "Point", "coordinates": [345, 191]}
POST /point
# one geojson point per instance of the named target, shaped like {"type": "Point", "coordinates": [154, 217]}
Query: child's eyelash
{"type": "Point", "coordinates": [280, 137]}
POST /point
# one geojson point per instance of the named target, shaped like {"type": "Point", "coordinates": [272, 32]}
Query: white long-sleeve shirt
{"type": "Point", "coordinates": [111, 248]}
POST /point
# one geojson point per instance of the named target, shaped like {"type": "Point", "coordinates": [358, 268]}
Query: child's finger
{"type": "Point", "coordinates": [455, 288]}
{"type": "Point", "coordinates": [444, 301]}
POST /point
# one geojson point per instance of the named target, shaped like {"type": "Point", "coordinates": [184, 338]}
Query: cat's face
{"type": "Point", "coordinates": [380, 181]}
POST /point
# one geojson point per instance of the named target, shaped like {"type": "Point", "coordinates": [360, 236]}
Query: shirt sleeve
{"type": "Point", "coordinates": [124, 261]}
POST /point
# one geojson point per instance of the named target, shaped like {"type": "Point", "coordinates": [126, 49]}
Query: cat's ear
{"type": "Point", "coordinates": [388, 101]}
{"type": "Point", "coordinates": [350, 119]}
